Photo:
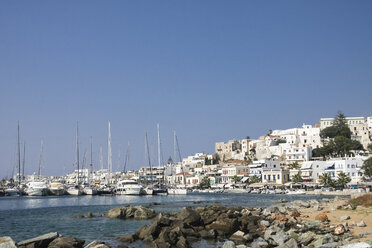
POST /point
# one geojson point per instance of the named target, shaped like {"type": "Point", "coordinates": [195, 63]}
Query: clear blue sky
{"type": "Point", "coordinates": [211, 70]}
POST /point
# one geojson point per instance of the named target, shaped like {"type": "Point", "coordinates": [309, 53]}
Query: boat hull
{"type": "Point", "coordinates": [177, 192]}
{"type": "Point", "coordinates": [37, 192]}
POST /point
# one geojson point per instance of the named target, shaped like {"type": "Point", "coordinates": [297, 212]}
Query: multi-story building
{"type": "Point", "coordinates": [226, 150]}
{"type": "Point", "coordinates": [231, 170]}
{"type": "Point", "coordinates": [311, 170]}
{"type": "Point", "coordinates": [298, 154]}
{"type": "Point", "coordinates": [327, 122]}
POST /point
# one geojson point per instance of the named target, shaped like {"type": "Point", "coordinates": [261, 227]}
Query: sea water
{"type": "Point", "coordinates": [27, 217]}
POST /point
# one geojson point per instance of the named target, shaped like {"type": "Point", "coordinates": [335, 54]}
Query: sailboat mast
{"type": "Point", "coordinates": [158, 144]}
{"type": "Point", "coordinates": [148, 155]}
{"type": "Point", "coordinates": [41, 157]}
{"type": "Point", "coordinates": [19, 158]}
{"type": "Point", "coordinates": [100, 158]}
{"type": "Point", "coordinates": [109, 153]}
{"type": "Point", "coordinates": [174, 147]}
{"type": "Point", "coordinates": [77, 153]}
{"type": "Point", "coordinates": [126, 159]}
{"type": "Point", "coordinates": [24, 160]}
{"type": "Point", "coordinates": [91, 158]}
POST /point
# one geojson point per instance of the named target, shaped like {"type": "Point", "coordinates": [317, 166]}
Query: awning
{"type": "Point", "coordinates": [244, 179]}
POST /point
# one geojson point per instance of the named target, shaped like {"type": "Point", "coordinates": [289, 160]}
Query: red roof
{"type": "Point", "coordinates": [183, 173]}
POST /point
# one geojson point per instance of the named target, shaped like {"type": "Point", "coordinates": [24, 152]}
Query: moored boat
{"type": "Point", "coordinates": [36, 188]}
{"type": "Point", "coordinates": [57, 188]}
{"type": "Point", "coordinates": [129, 187]}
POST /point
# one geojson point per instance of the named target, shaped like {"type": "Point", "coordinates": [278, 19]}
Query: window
{"type": "Point", "coordinates": [265, 177]}
{"type": "Point", "coordinates": [352, 174]}
{"type": "Point", "coordinates": [274, 177]}
{"type": "Point", "coordinates": [278, 177]}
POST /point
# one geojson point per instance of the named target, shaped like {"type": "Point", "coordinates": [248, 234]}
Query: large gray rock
{"type": "Point", "coordinates": [128, 212]}
{"type": "Point", "coordinates": [41, 241]}
{"type": "Point", "coordinates": [224, 226]}
{"type": "Point", "coordinates": [228, 244]}
{"type": "Point", "coordinates": [190, 216]}
{"type": "Point", "coordinates": [66, 242]}
{"type": "Point", "coordinates": [323, 239]}
{"type": "Point", "coordinates": [299, 203]}
{"type": "Point", "coordinates": [289, 244]}
{"type": "Point", "coordinates": [7, 242]}
{"type": "Point", "coordinates": [361, 224]}
{"type": "Point", "coordinates": [259, 243]}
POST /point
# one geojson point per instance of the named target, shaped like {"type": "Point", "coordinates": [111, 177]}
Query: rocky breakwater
{"type": "Point", "coordinates": [277, 226]}
{"type": "Point", "coordinates": [50, 240]}
{"type": "Point", "coordinates": [131, 212]}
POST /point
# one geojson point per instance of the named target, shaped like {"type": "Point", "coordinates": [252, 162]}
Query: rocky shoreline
{"type": "Point", "coordinates": [284, 225]}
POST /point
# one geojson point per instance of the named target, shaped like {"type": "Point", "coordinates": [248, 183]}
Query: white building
{"type": "Point", "coordinates": [327, 122]}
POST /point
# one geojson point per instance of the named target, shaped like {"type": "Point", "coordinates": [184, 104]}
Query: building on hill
{"type": "Point", "coordinates": [226, 150]}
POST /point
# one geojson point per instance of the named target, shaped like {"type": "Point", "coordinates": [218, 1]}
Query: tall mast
{"type": "Point", "coordinates": [91, 157]}
{"type": "Point", "coordinates": [158, 144]}
{"type": "Point", "coordinates": [19, 158]}
{"type": "Point", "coordinates": [24, 160]}
{"type": "Point", "coordinates": [100, 158]}
{"type": "Point", "coordinates": [109, 153]}
{"type": "Point", "coordinates": [126, 164]}
{"type": "Point", "coordinates": [119, 158]}
{"type": "Point", "coordinates": [41, 156]}
{"type": "Point", "coordinates": [148, 155]}
{"type": "Point", "coordinates": [77, 153]}
{"type": "Point", "coordinates": [174, 147]}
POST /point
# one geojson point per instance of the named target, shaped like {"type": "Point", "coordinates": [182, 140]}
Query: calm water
{"type": "Point", "coordinates": [27, 217]}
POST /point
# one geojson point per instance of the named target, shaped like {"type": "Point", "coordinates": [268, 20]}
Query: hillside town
{"type": "Point", "coordinates": [331, 153]}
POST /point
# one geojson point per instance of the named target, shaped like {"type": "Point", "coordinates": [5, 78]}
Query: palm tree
{"type": "Point", "coordinates": [297, 178]}
{"type": "Point", "coordinates": [343, 179]}
{"type": "Point", "coordinates": [235, 179]}
{"type": "Point", "coordinates": [254, 179]}
{"type": "Point", "coordinates": [326, 179]}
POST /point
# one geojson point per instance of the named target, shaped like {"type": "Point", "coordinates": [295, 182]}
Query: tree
{"type": "Point", "coordinates": [339, 128]}
{"type": "Point", "coordinates": [294, 165]}
{"type": "Point", "coordinates": [343, 180]}
{"type": "Point", "coordinates": [297, 178]}
{"type": "Point", "coordinates": [367, 167]}
{"type": "Point", "coordinates": [326, 180]}
{"type": "Point", "coordinates": [205, 183]}
{"type": "Point", "coordinates": [235, 179]}
{"type": "Point", "coordinates": [254, 179]}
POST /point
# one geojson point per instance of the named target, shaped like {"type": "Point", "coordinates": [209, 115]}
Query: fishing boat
{"type": "Point", "coordinates": [36, 188]}
{"type": "Point", "coordinates": [57, 188]}
{"type": "Point", "coordinates": [129, 187]}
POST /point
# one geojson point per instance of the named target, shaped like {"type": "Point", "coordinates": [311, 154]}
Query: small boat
{"type": "Point", "coordinates": [177, 191]}
{"type": "Point", "coordinates": [36, 188]}
{"type": "Point", "coordinates": [75, 190]}
{"type": "Point", "coordinates": [149, 190]}
{"type": "Point", "coordinates": [256, 191]}
{"type": "Point", "coordinates": [104, 190]}
{"type": "Point", "coordinates": [296, 192]}
{"type": "Point", "coordinates": [12, 192]}
{"type": "Point", "coordinates": [57, 188]}
{"type": "Point", "coordinates": [129, 187]}
{"type": "Point", "coordinates": [89, 190]}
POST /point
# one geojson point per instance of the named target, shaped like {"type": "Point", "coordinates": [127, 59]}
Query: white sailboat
{"type": "Point", "coordinates": [89, 189]}
{"type": "Point", "coordinates": [38, 187]}
{"type": "Point", "coordinates": [76, 189]}
{"type": "Point", "coordinates": [149, 189]}
{"type": "Point", "coordinates": [177, 190]}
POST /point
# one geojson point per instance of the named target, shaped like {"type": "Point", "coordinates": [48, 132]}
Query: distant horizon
{"type": "Point", "coordinates": [210, 70]}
